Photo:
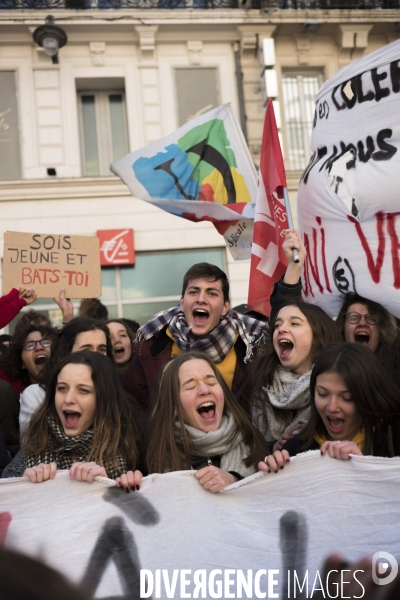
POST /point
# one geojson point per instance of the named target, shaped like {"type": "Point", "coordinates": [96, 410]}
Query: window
{"type": "Point", "coordinates": [103, 127]}
{"type": "Point", "coordinates": [154, 283]}
{"type": "Point", "coordinates": [197, 91]}
{"type": "Point", "coordinates": [139, 292]}
{"type": "Point", "coordinates": [10, 161]}
{"type": "Point", "coordinates": [299, 91]}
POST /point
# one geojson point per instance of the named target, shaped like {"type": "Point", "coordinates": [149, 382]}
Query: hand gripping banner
{"type": "Point", "coordinates": [264, 537]}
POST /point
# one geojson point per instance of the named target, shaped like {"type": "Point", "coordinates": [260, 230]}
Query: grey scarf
{"type": "Point", "coordinates": [221, 442]}
{"type": "Point", "coordinates": [291, 393]}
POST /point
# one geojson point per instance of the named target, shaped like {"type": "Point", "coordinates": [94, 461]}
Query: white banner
{"type": "Point", "coordinates": [348, 201]}
{"type": "Point", "coordinates": [257, 539]}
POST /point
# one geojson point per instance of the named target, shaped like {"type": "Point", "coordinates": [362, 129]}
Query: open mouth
{"type": "Point", "coordinates": [285, 347]}
{"type": "Point", "coordinates": [362, 337]}
{"type": "Point", "coordinates": [335, 425]}
{"type": "Point", "coordinates": [41, 360]}
{"type": "Point", "coordinates": [119, 352]}
{"type": "Point", "coordinates": [200, 316]}
{"type": "Point", "coordinates": [71, 418]}
{"type": "Point", "coordinates": [207, 411]}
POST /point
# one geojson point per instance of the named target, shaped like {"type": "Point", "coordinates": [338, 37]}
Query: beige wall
{"type": "Point", "coordinates": [142, 48]}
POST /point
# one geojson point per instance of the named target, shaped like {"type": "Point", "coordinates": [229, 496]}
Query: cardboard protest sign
{"type": "Point", "coordinates": [48, 263]}
{"type": "Point", "coordinates": [348, 200]}
{"type": "Point", "coordinates": [263, 537]}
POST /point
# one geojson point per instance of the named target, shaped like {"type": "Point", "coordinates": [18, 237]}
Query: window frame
{"type": "Point", "coordinates": [300, 72]}
{"type": "Point", "coordinates": [196, 68]}
{"type": "Point", "coordinates": [15, 71]}
{"type": "Point", "coordinates": [217, 56]}
{"type": "Point", "coordinates": [103, 128]}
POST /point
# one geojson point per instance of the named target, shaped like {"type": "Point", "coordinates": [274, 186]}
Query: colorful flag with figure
{"type": "Point", "coordinates": [201, 172]}
{"type": "Point", "coordinates": [268, 262]}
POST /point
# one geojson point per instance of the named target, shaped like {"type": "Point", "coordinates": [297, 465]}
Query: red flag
{"type": "Point", "coordinates": [268, 262]}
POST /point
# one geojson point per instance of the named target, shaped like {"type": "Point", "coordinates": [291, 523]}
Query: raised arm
{"type": "Point", "coordinates": [65, 305]}
{"type": "Point", "coordinates": [288, 289]}
{"type": "Point", "coordinates": [11, 303]}
{"type": "Point", "coordinates": [292, 242]}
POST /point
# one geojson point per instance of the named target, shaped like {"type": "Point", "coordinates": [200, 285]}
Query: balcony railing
{"type": "Point", "coordinates": [105, 4]}
{"type": "Point", "coordinates": [328, 4]}
{"type": "Point", "coordinates": [265, 5]}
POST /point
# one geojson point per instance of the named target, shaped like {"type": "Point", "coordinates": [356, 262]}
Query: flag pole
{"type": "Point", "coordinates": [290, 221]}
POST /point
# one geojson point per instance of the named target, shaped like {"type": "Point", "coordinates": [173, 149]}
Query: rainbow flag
{"type": "Point", "coordinates": [201, 172]}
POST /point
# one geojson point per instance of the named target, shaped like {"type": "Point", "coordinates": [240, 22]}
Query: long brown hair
{"type": "Point", "coordinates": [371, 389]}
{"type": "Point", "coordinates": [114, 422]}
{"type": "Point", "coordinates": [266, 363]}
{"type": "Point", "coordinates": [164, 452]}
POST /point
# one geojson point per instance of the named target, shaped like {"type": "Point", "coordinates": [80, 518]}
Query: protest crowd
{"type": "Point", "coordinates": [202, 386]}
{"type": "Point", "coordinates": [199, 386]}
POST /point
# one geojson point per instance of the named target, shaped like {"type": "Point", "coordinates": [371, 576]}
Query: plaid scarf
{"type": "Point", "coordinates": [218, 342]}
{"type": "Point", "coordinates": [66, 450]}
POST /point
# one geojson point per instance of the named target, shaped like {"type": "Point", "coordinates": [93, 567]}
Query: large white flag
{"type": "Point", "coordinates": [348, 201]}
{"type": "Point", "coordinates": [260, 538]}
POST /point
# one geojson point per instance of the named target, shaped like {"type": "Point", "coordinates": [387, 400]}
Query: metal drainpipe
{"type": "Point", "coordinates": [239, 80]}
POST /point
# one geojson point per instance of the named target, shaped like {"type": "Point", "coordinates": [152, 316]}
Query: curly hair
{"type": "Point", "coordinates": [31, 317]}
{"type": "Point", "coordinates": [11, 363]}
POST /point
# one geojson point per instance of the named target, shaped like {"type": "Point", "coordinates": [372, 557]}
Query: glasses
{"type": "Point", "coordinates": [355, 317]}
{"type": "Point", "coordinates": [32, 344]}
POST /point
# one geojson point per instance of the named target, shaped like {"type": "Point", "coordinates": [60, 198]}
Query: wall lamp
{"type": "Point", "coordinates": [310, 26]}
{"type": "Point", "coordinates": [50, 38]}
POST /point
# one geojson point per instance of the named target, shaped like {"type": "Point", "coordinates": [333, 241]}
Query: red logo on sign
{"type": "Point", "coordinates": [116, 247]}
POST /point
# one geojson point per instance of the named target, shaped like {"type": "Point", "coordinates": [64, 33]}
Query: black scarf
{"type": "Point", "coordinates": [65, 450]}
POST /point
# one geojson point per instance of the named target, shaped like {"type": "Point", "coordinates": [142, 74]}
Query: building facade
{"type": "Point", "coordinates": [133, 71]}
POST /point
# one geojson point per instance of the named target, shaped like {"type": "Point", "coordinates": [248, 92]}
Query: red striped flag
{"type": "Point", "coordinates": [268, 262]}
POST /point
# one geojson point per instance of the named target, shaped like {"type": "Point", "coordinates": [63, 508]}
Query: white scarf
{"type": "Point", "coordinates": [289, 392]}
